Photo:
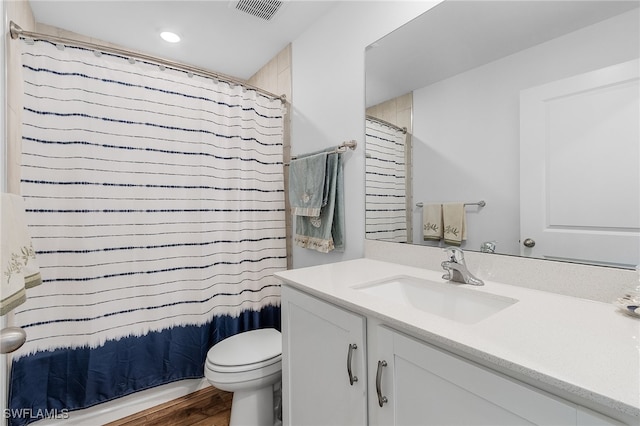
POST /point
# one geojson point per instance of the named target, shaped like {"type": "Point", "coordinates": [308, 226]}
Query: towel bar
{"type": "Point", "coordinates": [480, 203]}
{"type": "Point", "coordinates": [343, 147]}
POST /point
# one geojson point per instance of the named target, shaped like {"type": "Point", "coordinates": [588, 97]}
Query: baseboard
{"type": "Point", "coordinates": [128, 405]}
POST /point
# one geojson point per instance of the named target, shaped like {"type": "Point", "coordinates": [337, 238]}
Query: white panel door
{"type": "Point", "coordinates": [580, 167]}
{"type": "Point", "coordinates": [316, 385]}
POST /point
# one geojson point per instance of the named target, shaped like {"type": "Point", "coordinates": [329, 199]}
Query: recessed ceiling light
{"type": "Point", "coordinates": [170, 37]}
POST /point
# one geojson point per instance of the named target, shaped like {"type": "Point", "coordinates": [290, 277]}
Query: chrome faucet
{"type": "Point", "coordinates": [456, 268]}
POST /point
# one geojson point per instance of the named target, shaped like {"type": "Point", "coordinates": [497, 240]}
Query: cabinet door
{"type": "Point", "coordinates": [427, 386]}
{"type": "Point", "coordinates": [317, 340]}
{"type": "Point", "coordinates": [587, 417]}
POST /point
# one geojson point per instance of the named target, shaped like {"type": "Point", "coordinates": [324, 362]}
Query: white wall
{"type": "Point", "coordinates": [466, 128]}
{"type": "Point", "coordinates": [329, 99]}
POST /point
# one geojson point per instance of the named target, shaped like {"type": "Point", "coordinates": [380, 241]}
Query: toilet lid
{"type": "Point", "coordinates": [247, 348]}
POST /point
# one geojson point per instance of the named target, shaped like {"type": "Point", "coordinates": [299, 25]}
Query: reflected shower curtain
{"type": "Point", "coordinates": [155, 200]}
{"type": "Point", "coordinates": [386, 198]}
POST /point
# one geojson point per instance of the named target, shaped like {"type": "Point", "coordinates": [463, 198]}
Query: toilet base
{"type": "Point", "coordinates": [253, 407]}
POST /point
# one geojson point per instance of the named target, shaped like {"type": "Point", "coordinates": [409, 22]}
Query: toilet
{"type": "Point", "coordinates": [248, 364]}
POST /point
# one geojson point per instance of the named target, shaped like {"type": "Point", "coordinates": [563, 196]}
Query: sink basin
{"type": "Point", "coordinates": [443, 299]}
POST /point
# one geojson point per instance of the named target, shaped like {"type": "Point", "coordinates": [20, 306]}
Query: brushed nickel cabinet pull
{"type": "Point", "coordinates": [381, 399]}
{"type": "Point", "coordinates": [352, 378]}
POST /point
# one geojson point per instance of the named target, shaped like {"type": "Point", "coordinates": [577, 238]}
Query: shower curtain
{"type": "Point", "coordinates": [386, 209]}
{"type": "Point", "coordinates": [155, 200]}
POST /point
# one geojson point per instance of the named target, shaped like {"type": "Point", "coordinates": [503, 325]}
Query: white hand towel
{"type": "Point", "coordinates": [454, 219]}
{"type": "Point", "coordinates": [19, 267]}
{"type": "Point", "coordinates": [432, 221]}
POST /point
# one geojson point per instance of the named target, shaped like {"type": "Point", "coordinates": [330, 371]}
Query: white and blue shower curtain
{"type": "Point", "coordinates": [386, 187]}
{"type": "Point", "coordinates": [155, 200]}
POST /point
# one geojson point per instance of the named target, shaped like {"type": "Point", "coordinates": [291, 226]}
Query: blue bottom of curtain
{"type": "Point", "coordinates": [47, 384]}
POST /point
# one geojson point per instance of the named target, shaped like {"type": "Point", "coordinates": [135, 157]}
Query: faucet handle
{"type": "Point", "coordinates": [455, 254]}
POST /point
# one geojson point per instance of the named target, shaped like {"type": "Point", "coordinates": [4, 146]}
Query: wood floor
{"type": "Point", "coordinates": [206, 407]}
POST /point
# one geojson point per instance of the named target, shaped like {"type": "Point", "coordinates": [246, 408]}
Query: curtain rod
{"type": "Point", "coordinates": [16, 32]}
{"type": "Point", "coordinates": [386, 123]}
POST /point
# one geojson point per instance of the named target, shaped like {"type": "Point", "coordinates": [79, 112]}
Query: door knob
{"type": "Point", "coordinates": [529, 242]}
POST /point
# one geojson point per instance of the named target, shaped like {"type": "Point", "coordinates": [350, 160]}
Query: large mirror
{"type": "Point", "coordinates": [515, 120]}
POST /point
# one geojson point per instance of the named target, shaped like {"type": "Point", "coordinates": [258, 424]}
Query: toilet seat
{"type": "Point", "coordinates": [241, 368]}
{"type": "Point", "coordinates": [243, 352]}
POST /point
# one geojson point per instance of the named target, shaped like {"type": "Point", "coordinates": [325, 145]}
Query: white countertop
{"type": "Point", "coordinates": [585, 351]}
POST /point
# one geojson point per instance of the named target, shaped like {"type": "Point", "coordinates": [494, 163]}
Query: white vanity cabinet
{"type": "Point", "coordinates": [324, 377]}
{"type": "Point", "coordinates": [416, 383]}
{"type": "Point", "coordinates": [419, 384]}
{"type": "Point", "coordinates": [544, 359]}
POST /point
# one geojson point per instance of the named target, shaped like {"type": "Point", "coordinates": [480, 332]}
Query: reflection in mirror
{"type": "Point", "coordinates": [388, 215]}
{"type": "Point", "coordinates": [531, 106]}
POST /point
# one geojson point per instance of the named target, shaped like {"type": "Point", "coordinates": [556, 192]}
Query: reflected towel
{"type": "Point", "coordinates": [325, 232]}
{"type": "Point", "coordinates": [19, 267]}
{"type": "Point", "coordinates": [308, 186]}
{"type": "Point", "coordinates": [432, 221]}
{"type": "Point", "coordinates": [454, 221]}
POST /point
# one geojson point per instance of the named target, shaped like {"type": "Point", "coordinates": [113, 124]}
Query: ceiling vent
{"type": "Point", "coordinates": [263, 9]}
